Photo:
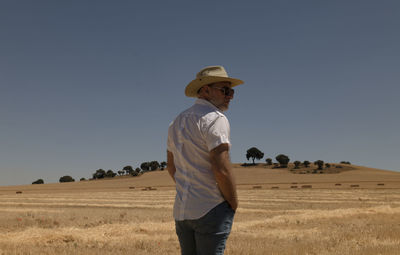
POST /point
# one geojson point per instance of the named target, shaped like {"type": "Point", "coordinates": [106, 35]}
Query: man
{"type": "Point", "coordinates": [198, 161]}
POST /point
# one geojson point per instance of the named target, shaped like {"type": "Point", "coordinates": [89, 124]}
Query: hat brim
{"type": "Point", "coordinates": [195, 85]}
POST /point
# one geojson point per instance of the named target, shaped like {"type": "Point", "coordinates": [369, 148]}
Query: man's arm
{"type": "Point", "coordinates": [222, 169]}
{"type": "Point", "coordinates": [171, 165]}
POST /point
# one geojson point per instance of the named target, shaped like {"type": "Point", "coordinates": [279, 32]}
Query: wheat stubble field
{"type": "Point", "coordinates": [276, 215]}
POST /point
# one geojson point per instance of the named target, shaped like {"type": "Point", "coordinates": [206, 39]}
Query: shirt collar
{"type": "Point", "coordinates": [205, 102]}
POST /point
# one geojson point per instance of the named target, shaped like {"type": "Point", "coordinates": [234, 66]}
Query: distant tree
{"type": "Point", "coordinates": [269, 161]}
{"type": "Point", "coordinates": [254, 153]}
{"type": "Point", "coordinates": [66, 178]}
{"type": "Point", "coordinates": [163, 165]}
{"type": "Point", "coordinates": [345, 162]}
{"type": "Point", "coordinates": [145, 166]}
{"type": "Point", "coordinates": [306, 163]}
{"type": "Point", "coordinates": [127, 169]}
{"type": "Point", "coordinates": [82, 179]}
{"type": "Point", "coordinates": [99, 174]}
{"type": "Point", "coordinates": [134, 173]}
{"type": "Point", "coordinates": [138, 171]}
{"type": "Point", "coordinates": [38, 181]}
{"type": "Point", "coordinates": [110, 174]}
{"type": "Point", "coordinates": [283, 160]}
{"type": "Point", "coordinates": [297, 164]}
{"type": "Point", "coordinates": [154, 165]}
{"type": "Point", "coordinates": [320, 164]}
{"type": "Point", "coordinates": [327, 165]}
{"type": "Point", "coordinates": [121, 172]}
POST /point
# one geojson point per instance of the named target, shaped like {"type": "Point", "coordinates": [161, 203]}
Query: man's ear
{"type": "Point", "coordinates": [205, 90]}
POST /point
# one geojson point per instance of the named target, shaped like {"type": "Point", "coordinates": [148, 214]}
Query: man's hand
{"type": "Point", "coordinates": [222, 169]}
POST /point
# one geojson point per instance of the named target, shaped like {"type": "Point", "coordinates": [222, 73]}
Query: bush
{"type": "Point", "coordinates": [99, 174]}
{"type": "Point", "coordinates": [283, 160]}
{"type": "Point", "coordinates": [67, 178]}
{"type": "Point", "coordinates": [83, 179]}
{"type": "Point", "coordinates": [269, 161]}
{"type": "Point", "coordinates": [327, 165]}
{"type": "Point", "coordinates": [145, 166]}
{"type": "Point", "coordinates": [306, 163]}
{"type": "Point", "coordinates": [345, 162]}
{"type": "Point", "coordinates": [110, 174]}
{"type": "Point", "coordinates": [38, 181]}
{"type": "Point", "coordinates": [127, 169]}
{"type": "Point", "coordinates": [136, 172]}
{"type": "Point", "coordinates": [320, 164]}
{"type": "Point", "coordinates": [297, 164]}
{"type": "Point", "coordinates": [154, 165]}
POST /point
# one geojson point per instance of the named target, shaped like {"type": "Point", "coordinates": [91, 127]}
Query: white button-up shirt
{"type": "Point", "coordinates": [191, 137]}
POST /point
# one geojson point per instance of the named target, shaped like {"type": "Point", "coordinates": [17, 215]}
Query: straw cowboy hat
{"type": "Point", "coordinates": [208, 75]}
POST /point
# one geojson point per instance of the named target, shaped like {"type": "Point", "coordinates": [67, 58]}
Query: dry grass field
{"type": "Point", "coordinates": [280, 213]}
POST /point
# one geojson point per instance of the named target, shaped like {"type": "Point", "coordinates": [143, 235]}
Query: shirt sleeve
{"type": "Point", "coordinates": [218, 133]}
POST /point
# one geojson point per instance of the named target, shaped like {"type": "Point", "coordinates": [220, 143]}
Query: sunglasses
{"type": "Point", "coordinates": [226, 90]}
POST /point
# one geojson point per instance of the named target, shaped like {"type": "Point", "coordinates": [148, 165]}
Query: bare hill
{"type": "Point", "coordinates": [358, 174]}
{"type": "Point", "coordinates": [247, 177]}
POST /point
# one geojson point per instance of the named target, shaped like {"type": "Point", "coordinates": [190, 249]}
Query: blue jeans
{"type": "Point", "coordinates": [208, 234]}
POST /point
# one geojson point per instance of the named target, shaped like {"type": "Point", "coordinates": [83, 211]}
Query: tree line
{"type": "Point", "coordinates": [253, 153]}
{"type": "Point", "coordinates": [125, 171]}
{"type": "Point", "coordinates": [283, 160]}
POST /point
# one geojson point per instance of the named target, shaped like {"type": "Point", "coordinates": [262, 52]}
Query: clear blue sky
{"type": "Point", "coordinates": [94, 84]}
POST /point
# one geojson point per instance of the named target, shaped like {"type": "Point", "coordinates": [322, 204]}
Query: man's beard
{"type": "Point", "coordinates": [222, 106]}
